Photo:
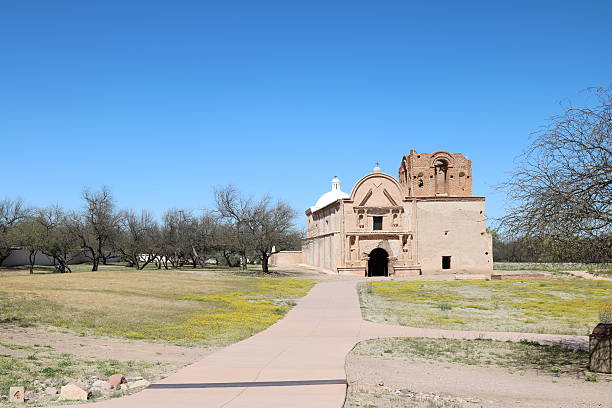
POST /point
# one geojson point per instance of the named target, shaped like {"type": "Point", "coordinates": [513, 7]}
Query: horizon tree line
{"type": "Point", "coordinates": [237, 231]}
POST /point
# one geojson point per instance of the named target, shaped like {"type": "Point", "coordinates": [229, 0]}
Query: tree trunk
{"type": "Point", "coordinates": [32, 260]}
{"type": "Point", "coordinates": [147, 261]}
{"type": "Point", "coordinates": [264, 262]}
{"type": "Point", "coordinates": [4, 254]}
{"type": "Point", "coordinates": [227, 259]}
{"type": "Point", "coordinates": [243, 262]}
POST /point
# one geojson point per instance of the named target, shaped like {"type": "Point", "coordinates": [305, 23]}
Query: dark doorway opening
{"type": "Point", "coordinates": [446, 262]}
{"type": "Point", "coordinates": [378, 264]}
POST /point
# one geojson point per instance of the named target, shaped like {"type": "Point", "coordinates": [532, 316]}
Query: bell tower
{"type": "Point", "coordinates": [437, 174]}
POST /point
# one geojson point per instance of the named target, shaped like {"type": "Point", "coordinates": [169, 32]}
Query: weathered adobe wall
{"type": "Point", "coordinates": [287, 258]}
{"type": "Point", "coordinates": [421, 178]}
{"type": "Point", "coordinates": [323, 245]}
{"type": "Point", "coordinates": [456, 229]}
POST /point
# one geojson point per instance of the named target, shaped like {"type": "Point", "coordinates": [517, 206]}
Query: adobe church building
{"type": "Point", "coordinates": [425, 222]}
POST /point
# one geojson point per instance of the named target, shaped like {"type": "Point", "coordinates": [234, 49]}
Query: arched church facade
{"type": "Point", "coordinates": [424, 222]}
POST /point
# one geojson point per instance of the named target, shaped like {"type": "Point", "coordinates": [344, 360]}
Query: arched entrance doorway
{"type": "Point", "coordinates": [378, 264]}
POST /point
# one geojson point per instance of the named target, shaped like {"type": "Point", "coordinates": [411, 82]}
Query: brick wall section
{"type": "Point", "coordinates": [436, 174]}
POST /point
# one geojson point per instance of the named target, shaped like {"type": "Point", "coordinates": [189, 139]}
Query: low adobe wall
{"type": "Point", "coordinates": [287, 258]}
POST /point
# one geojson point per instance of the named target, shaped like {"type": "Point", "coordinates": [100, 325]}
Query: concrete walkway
{"type": "Point", "coordinates": [297, 362]}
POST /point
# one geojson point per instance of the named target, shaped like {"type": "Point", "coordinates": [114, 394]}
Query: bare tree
{"type": "Point", "coordinates": [59, 242]}
{"type": "Point", "coordinates": [229, 245]}
{"type": "Point", "coordinates": [97, 226]}
{"type": "Point", "coordinates": [139, 242]}
{"type": "Point", "coordinates": [265, 227]}
{"type": "Point", "coordinates": [561, 187]}
{"type": "Point", "coordinates": [202, 237]}
{"type": "Point", "coordinates": [11, 212]}
{"type": "Point", "coordinates": [29, 234]}
{"type": "Point", "coordinates": [173, 238]}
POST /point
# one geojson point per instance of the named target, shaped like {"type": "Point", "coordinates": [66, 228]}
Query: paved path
{"type": "Point", "coordinates": [297, 362]}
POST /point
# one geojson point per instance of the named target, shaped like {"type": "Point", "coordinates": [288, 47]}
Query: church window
{"type": "Point", "coordinates": [446, 262]}
{"type": "Point", "coordinates": [378, 223]}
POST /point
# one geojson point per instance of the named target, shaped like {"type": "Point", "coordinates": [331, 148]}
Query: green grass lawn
{"type": "Point", "coordinates": [210, 309]}
{"type": "Point", "coordinates": [540, 306]}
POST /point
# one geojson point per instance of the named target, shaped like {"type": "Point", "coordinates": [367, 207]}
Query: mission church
{"type": "Point", "coordinates": [425, 222]}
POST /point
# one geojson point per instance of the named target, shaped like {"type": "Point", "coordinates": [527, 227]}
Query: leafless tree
{"type": "Point", "coordinates": [203, 232]}
{"type": "Point", "coordinates": [265, 227]}
{"type": "Point", "coordinates": [11, 212]}
{"type": "Point", "coordinates": [97, 226]}
{"type": "Point", "coordinates": [187, 239]}
{"type": "Point", "coordinates": [173, 237]}
{"type": "Point", "coordinates": [561, 187]}
{"type": "Point", "coordinates": [29, 235]}
{"type": "Point", "coordinates": [59, 242]}
{"type": "Point", "coordinates": [139, 242]}
{"type": "Point", "coordinates": [229, 245]}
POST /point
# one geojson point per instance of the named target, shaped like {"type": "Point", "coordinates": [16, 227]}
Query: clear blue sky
{"type": "Point", "coordinates": [161, 101]}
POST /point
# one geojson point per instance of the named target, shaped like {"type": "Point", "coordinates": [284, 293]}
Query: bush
{"type": "Point", "coordinates": [605, 314]}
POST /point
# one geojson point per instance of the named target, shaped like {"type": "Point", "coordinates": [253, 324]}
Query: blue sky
{"type": "Point", "coordinates": [161, 101]}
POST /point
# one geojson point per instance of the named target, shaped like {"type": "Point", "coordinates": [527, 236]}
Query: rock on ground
{"type": "Point", "coordinates": [116, 379]}
{"type": "Point", "coordinates": [73, 392]}
{"type": "Point", "coordinates": [139, 384]}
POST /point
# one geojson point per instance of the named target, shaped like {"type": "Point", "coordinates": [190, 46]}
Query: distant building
{"type": "Point", "coordinates": [425, 222]}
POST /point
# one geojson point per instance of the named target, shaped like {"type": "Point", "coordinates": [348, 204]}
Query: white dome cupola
{"type": "Point", "coordinates": [331, 196]}
{"type": "Point", "coordinates": [335, 183]}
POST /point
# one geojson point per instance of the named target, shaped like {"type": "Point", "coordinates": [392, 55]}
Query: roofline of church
{"type": "Point", "coordinates": [406, 198]}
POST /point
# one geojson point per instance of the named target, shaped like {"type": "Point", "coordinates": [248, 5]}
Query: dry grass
{"type": "Point", "coordinates": [369, 399]}
{"type": "Point", "coordinates": [522, 358]}
{"type": "Point", "coordinates": [38, 367]}
{"type": "Point", "coordinates": [183, 308]}
{"type": "Point", "coordinates": [514, 356]}
{"type": "Point", "coordinates": [604, 269]}
{"type": "Point", "coordinates": [542, 306]}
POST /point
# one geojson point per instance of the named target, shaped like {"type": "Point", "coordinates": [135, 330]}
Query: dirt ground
{"type": "Point", "coordinates": [98, 347]}
{"type": "Point", "coordinates": [384, 383]}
